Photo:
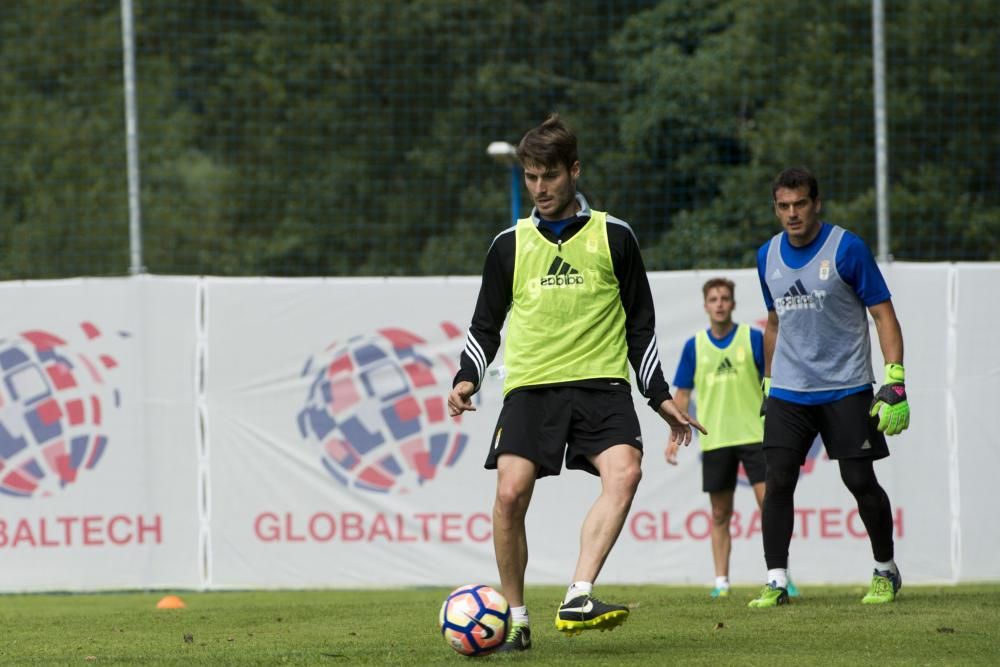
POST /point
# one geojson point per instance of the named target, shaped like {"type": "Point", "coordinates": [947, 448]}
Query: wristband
{"type": "Point", "coordinates": [894, 373]}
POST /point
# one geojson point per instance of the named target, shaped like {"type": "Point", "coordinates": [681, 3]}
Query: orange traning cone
{"type": "Point", "coordinates": [170, 602]}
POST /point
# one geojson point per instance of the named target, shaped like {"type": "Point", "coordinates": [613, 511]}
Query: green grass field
{"type": "Point", "coordinates": [927, 625]}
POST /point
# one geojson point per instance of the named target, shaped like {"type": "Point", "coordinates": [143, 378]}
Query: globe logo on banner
{"type": "Point", "coordinates": [377, 409]}
{"type": "Point", "coordinates": [54, 400]}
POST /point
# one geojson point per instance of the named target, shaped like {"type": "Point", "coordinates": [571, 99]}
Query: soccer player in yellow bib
{"type": "Point", "coordinates": [724, 364]}
{"type": "Point", "coordinates": [570, 282]}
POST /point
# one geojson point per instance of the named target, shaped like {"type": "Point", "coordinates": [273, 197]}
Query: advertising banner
{"type": "Point", "coordinates": [332, 463]}
{"type": "Point", "coordinates": [217, 433]}
{"type": "Point", "coordinates": [333, 460]}
{"type": "Point", "coordinates": [98, 459]}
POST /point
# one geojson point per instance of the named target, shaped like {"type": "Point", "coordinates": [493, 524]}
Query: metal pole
{"type": "Point", "coordinates": [881, 133]}
{"type": "Point", "coordinates": [131, 141]}
{"type": "Point", "coordinates": [506, 154]}
{"type": "Point", "coordinates": [515, 194]}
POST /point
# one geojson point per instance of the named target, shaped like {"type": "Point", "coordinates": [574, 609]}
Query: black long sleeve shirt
{"type": "Point", "coordinates": [496, 293]}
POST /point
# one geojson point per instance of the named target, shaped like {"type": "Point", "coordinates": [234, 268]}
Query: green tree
{"type": "Point", "coordinates": [62, 192]}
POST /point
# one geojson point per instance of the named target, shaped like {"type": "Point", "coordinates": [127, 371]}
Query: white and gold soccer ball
{"type": "Point", "coordinates": [475, 619]}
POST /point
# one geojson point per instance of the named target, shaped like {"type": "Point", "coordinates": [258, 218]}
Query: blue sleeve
{"type": "Point", "coordinates": [757, 345]}
{"type": "Point", "coordinates": [761, 264]}
{"type": "Point", "coordinates": [684, 378]}
{"type": "Point", "coordinates": [856, 265]}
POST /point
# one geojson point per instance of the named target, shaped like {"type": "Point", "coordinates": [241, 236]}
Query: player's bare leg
{"type": "Point", "coordinates": [620, 470]}
{"type": "Point", "coordinates": [722, 542]}
{"type": "Point", "coordinates": [515, 484]}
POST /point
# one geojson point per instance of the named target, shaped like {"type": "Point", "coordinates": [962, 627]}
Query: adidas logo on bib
{"type": "Point", "coordinates": [561, 274]}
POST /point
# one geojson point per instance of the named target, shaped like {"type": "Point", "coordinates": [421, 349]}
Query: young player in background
{"type": "Point", "coordinates": [725, 365]}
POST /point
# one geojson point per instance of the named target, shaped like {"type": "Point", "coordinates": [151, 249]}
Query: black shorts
{"type": "Point", "coordinates": [542, 425]}
{"type": "Point", "coordinates": [719, 467]}
{"type": "Point", "coordinates": [847, 429]}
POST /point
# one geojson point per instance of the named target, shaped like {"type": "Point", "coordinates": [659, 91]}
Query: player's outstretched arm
{"type": "Point", "coordinates": [680, 422]}
{"type": "Point", "coordinates": [460, 398]}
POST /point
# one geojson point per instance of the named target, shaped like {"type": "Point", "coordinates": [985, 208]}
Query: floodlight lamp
{"type": "Point", "coordinates": [502, 152]}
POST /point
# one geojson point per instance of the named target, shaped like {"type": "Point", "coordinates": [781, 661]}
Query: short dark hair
{"type": "Point", "coordinates": [794, 178]}
{"type": "Point", "coordinates": [551, 143]}
{"type": "Point", "coordinates": [718, 282]}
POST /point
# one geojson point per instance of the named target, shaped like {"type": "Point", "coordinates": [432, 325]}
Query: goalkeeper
{"type": "Point", "coordinates": [819, 283]}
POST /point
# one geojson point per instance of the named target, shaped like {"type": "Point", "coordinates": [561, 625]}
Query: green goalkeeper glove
{"type": "Point", "coordinates": [890, 405]}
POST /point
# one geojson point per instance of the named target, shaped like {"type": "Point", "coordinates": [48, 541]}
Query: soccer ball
{"type": "Point", "coordinates": [474, 619]}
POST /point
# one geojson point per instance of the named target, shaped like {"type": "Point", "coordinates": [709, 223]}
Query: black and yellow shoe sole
{"type": "Point", "coordinates": [608, 621]}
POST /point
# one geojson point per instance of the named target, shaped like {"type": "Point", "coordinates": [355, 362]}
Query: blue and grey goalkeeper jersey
{"type": "Point", "coordinates": [823, 341]}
